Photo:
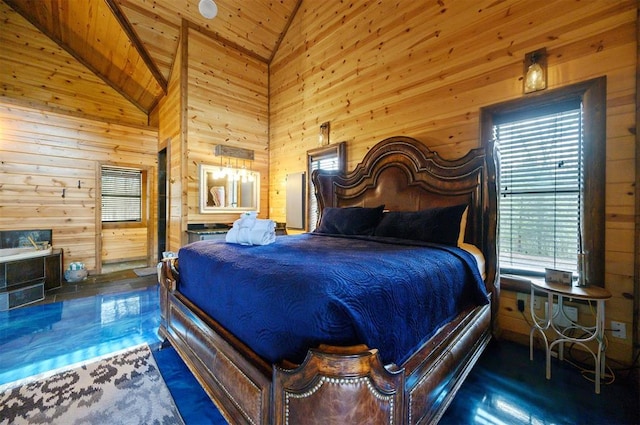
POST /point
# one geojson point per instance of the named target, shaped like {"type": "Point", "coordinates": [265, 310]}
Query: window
{"type": "Point", "coordinates": [331, 158]}
{"type": "Point", "coordinates": [551, 200]}
{"type": "Point", "coordinates": [540, 190]}
{"type": "Point", "coordinates": [121, 195]}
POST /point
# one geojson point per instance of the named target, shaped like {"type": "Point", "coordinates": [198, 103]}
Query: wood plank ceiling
{"type": "Point", "coordinates": [131, 44]}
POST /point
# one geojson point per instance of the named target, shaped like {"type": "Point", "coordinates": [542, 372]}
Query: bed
{"type": "Point", "coordinates": [343, 325]}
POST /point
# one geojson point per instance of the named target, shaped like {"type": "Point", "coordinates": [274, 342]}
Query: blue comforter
{"type": "Point", "coordinates": [284, 298]}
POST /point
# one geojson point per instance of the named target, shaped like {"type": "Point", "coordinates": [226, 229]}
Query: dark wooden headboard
{"type": "Point", "coordinates": [405, 175]}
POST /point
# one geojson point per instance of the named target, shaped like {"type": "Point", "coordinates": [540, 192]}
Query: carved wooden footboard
{"type": "Point", "coordinates": [239, 384]}
{"type": "Point", "coordinates": [350, 383]}
{"type": "Point", "coordinates": [339, 385]}
{"type": "Point", "coordinates": [334, 385]}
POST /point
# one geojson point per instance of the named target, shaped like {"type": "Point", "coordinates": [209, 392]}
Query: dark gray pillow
{"type": "Point", "coordinates": [437, 225]}
{"type": "Point", "coordinates": [350, 220]}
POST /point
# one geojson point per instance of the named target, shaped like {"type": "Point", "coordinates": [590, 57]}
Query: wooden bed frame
{"type": "Point", "coordinates": [337, 385]}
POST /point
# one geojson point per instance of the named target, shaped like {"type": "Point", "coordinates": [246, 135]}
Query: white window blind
{"type": "Point", "coordinates": [121, 194]}
{"type": "Point", "coordinates": [541, 176]}
{"type": "Point", "coordinates": [329, 162]}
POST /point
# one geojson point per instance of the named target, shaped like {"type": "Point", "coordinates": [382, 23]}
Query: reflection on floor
{"type": "Point", "coordinates": [504, 387]}
{"type": "Point", "coordinates": [194, 404]}
{"type": "Point", "coordinates": [95, 320]}
{"type": "Point", "coordinates": [40, 338]}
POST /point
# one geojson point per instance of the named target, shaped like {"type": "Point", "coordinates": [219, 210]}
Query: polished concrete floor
{"type": "Point", "coordinates": [84, 321]}
{"type": "Point", "coordinates": [97, 318]}
{"type": "Point", "coordinates": [72, 325]}
{"type": "Point", "coordinates": [118, 277]}
{"type": "Point", "coordinates": [505, 387]}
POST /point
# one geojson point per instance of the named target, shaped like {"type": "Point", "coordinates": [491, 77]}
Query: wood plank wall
{"type": "Point", "coordinates": [124, 244]}
{"type": "Point", "coordinates": [46, 155]}
{"type": "Point", "coordinates": [380, 69]}
{"type": "Point", "coordinates": [37, 72]}
{"type": "Point", "coordinates": [58, 123]}
{"type": "Point", "coordinates": [220, 97]}
{"type": "Point", "coordinates": [171, 131]}
{"type": "Point", "coordinates": [227, 92]}
{"type": "Point", "coordinates": [93, 32]}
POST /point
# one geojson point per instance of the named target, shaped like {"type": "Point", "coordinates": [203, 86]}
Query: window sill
{"type": "Point", "coordinates": [510, 282]}
{"type": "Point", "coordinates": [123, 225]}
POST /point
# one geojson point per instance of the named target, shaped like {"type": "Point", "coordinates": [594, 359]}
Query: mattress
{"type": "Point", "coordinates": [303, 290]}
{"type": "Point", "coordinates": [477, 256]}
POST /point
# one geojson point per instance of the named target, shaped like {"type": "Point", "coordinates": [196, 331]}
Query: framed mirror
{"type": "Point", "coordinates": [226, 189]}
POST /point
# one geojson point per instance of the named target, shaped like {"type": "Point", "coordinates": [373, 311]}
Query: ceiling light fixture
{"type": "Point", "coordinates": [208, 8]}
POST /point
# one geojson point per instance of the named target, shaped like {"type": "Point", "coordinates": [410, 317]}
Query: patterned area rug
{"type": "Point", "coordinates": [126, 388]}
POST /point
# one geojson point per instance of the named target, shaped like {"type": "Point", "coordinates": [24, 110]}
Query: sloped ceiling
{"type": "Point", "coordinates": [131, 44]}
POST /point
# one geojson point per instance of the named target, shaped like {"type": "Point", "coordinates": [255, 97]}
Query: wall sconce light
{"type": "Point", "coordinates": [535, 70]}
{"type": "Point", "coordinates": [323, 136]}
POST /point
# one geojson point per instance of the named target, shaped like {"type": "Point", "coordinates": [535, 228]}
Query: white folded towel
{"type": "Point", "coordinates": [249, 230]}
{"type": "Point", "coordinates": [247, 219]}
{"type": "Point", "coordinates": [261, 224]}
{"type": "Point", "coordinates": [250, 237]}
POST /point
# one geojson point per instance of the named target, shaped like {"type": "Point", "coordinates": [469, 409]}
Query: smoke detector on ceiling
{"type": "Point", "coordinates": [208, 8]}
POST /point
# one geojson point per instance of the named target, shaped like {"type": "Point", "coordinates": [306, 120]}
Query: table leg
{"type": "Point", "coordinates": [601, 357]}
{"type": "Point", "coordinates": [560, 315]}
{"type": "Point", "coordinates": [534, 327]}
{"type": "Point", "coordinates": [550, 319]}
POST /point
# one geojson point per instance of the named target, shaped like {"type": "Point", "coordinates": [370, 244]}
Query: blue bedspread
{"type": "Point", "coordinates": [303, 290]}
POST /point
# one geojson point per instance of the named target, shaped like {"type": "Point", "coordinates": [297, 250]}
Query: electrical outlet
{"type": "Point", "coordinates": [536, 303]}
{"type": "Point", "coordinates": [618, 329]}
{"type": "Point", "coordinates": [559, 319]}
{"type": "Point", "coordinates": [521, 301]}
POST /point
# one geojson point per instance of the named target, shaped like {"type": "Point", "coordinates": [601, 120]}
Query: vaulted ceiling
{"type": "Point", "coordinates": [131, 44]}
